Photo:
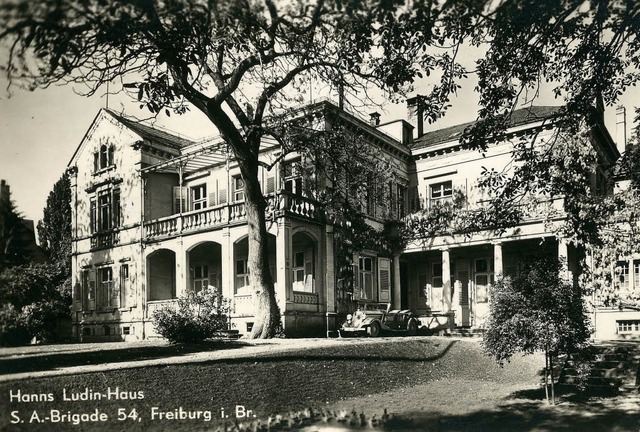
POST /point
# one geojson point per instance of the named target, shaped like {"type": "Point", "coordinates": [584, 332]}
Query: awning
{"type": "Point", "coordinates": [195, 158]}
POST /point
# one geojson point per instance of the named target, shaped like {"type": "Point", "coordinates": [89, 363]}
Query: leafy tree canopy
{"type": "Point", "coordinates": [54, 230]}
{"type": "Point", "coordinates": [14, 236]}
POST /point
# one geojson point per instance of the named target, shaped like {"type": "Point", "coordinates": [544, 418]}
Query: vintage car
{"type": "Point", "coordinates": [373, 322]}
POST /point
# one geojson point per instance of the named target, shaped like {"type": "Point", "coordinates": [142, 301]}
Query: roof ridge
{"type": "Point", "coordinates": [531, 113]}
{"type": "Point", "coordinates": [161, 133]}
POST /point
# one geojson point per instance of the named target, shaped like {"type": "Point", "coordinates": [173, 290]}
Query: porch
{"type": "Point", "coordinates": [451, 286]}
{"type": "Point", "coordinates": [296, 262]}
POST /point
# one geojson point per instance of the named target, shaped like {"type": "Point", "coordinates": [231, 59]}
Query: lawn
{"type": "Point", "coordinates": [431, 383]}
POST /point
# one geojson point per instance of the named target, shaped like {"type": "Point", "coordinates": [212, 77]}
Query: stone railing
{"type": "Point", "coordinates": [298, 205]}
{"type": "Point", "coordinates": [155, 305]}
{"type": "Point", "coordinates": [243, 305]}
{"type": "Point", "coordinates": [305, 297]}
{"type": "Point", "coordinates": [237, 212]}
{"type": "Point", "coordinates": [232, 213]}
{"type": "Point", "coordinates": [204, 218]}
{"type": "Point", "coordinates": [104, 239]}
{"type": "Point", "coordinates": [162, 227]}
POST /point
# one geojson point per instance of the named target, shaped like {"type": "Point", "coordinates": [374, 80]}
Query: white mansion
{"type": "Point", "coordinates": [156, 215]}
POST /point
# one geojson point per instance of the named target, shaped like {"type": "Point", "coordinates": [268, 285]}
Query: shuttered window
{"type": "Point", "coordinates": [271, 185]}
{"type": "Point", "coordinates": [384, 279]}
{"type": "Point", "coordinates": [222, 196]}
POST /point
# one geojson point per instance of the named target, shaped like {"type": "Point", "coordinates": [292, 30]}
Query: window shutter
{"type": "Point", "coordinates": [463, 277]}
{"type": "Point", "coordinates": [271, 185]}
{"type": "Point", "coordinates": [180, 196]}
{"type": "Point", "coordinates": [115, 294]}
{"type": "Point", "coordinates": [117, 216]}
{"type": "Point", "coordinates": [93, 216]}
{"type": "Point", "coordinates": [384, 279]}
{"type": "Point", "coordinates": [90, 292]}
{"type": "Point", "coordinates": [222, 196]}
{"type": "Point", "coordinates": [212, 199]}
{"type": "Point", "coordinates": [132, 298]}
{"type": "Point", "coordinates": [356, 278]}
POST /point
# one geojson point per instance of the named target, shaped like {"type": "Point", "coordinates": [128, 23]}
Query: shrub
{"type": "Point", "coordinates": [13, 329]}
{"type": "Point", "coordinates": [198, 316]}
{"type": "Point", "coordinates": [39, 295]}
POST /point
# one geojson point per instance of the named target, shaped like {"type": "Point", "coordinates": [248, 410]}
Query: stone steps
{"type": "Point", "coordinates": [610, 367]}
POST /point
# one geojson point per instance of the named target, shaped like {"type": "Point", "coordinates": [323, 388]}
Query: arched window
{"type": "Point", "coordinates": [104, 156]}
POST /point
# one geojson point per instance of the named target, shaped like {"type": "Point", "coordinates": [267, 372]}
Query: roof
{"type": "Point", "coordinates": [518, 117]}
{"type": "Point", "coordinates": [153, 134]}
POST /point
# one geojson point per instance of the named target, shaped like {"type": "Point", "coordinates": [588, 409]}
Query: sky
{"type": "Point", "coordinates": [40, 130]}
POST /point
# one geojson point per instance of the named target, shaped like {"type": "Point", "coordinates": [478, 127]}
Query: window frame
{"type": "Point", "coordinates": [105, 289]}
{"type": "Point", "coordinates": [367, 275]}
{"type": "Point", "coordinates": [244, 274]}
{"type": "Point", "coordinates": [198, 202]}
{"type": "Point", "coordinates": [238, 188]}
{"type": "Point", "coordinates": [203, 277]}
{"type": "Point", "coordinates": [444, 191]}
{"type": "Point", "coordinates": [292, 180]}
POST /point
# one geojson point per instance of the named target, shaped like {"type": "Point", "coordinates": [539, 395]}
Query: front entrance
{"type": "Point", "coordinates": [462, 288]}
{"type": "Point", "coordinates": [483, 278]}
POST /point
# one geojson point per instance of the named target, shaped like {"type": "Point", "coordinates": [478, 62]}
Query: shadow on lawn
{"type": "Point", "coordinates": [33, 363]}
{"type": "Point", "coordinates": [334, 353]}
{"type": "Point", "coordinates": [530, 412]}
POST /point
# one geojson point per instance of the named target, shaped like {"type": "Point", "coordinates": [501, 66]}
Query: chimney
{"type": "Point", "coordinates": [4, 190]}
{"type": "Point", "coordinates": [415, 114]}
{"type": "Point", "coordinates": [621, 128]}
{"type": "Point", "coordinates": [374, 118]}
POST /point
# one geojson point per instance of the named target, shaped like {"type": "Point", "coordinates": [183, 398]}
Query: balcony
{"type": "Point", "coordinates": [104, 239]}
{"type": "Point", "coordinates": [283, 203]}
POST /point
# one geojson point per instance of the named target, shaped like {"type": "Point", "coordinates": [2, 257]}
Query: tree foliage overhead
{"type": "Point", "coordinates": [54, 230]}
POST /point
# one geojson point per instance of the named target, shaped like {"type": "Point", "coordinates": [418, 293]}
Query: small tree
{"type": "Point", "coordinates": [538, 310]}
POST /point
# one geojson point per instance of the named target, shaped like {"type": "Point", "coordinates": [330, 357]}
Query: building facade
{"type": "Point", "coordinates": [156, 215]}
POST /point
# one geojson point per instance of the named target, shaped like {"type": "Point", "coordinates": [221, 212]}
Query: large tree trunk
{"type": "Point", "coordinates": [267, 311]}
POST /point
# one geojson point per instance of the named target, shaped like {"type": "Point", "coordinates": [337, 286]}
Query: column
{"type": "Point", "coordinates": [330, 271]}
{"type": "Point", "coordinates": [446, 280]}
{"type": "Point", "coordinates": [397, 295]}
{"type": "Point", "coordinates": [181, 271]}
{"type": "Point", "coordinates": [226, 265]}
{"type": "Point", "coordinates": [563, 257]}
{"type": "Point", "coordinates": [498, 268]}
{"type": "Point", "coordinates": [284, 289]}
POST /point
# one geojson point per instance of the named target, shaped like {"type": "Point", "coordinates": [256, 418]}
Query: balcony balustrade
{"type": "Point", "coordinates": [283, 203]}
{"type": "Point", "coordinates": [104, 239]}
{"type": "Point", "coordinates": [305, 298]}
{"type": "Point", "coordinates": [155, 305]}
{"type": "Point", "coordinates": [243, 305]}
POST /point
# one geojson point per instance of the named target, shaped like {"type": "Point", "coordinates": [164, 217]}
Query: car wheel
{"type": "Point", "coordinates": [374, 329]}
{"type": "Point", "coordinates": [412, 328]}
